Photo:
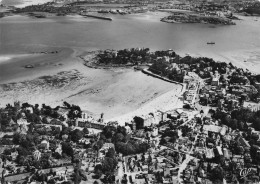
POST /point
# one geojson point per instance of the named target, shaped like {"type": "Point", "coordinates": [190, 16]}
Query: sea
{"type": "Point", "coordinates": [22, 3]}
{"type": "Point", "coordinates": [238, 43]}
{"type": "Point", "coordinates": [22, 36]}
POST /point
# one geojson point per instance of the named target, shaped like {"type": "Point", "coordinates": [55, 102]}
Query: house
{"type": "Point", "coordinates": [226, 153]}
{"type": "Point", "coordinates": [84, 141]}
{"type": "Point", "coordinates": [14, 155]}
{"type": "Point", "coordinates": [155, 131]}
{"type": "Point", "coordinates": [209, 153]}
{"type": "Point", "coordinates": [223, 130]}
{"type": "Point", "coordinates": [149, 120]}
{"type": "Point", "coordinates": [128, 129]}
{"type": "Point", "coordinates": [145, 168]}
{"type": "Point", "coordinates": [59, 149]}
{"type": "Point", "coordinates": [45, 144]}
{"type": "Point", "coordinates": [215, 81]}
{"type": "Point", "coordinates": [240, 140]}
{"type": "Point", "coordinates": [166, 172]}
{"type": "Point", "coordinates": [139, 181]}
{"type": "Point", "coordinates": [11, 122]}
{"type": "Point", "coordinates": [37, 155]}
{"type": "Point", "coordinates": [63, 112]}
{"type": "Point", "coordinates": [212, 128]}
{"type": "Point", "coordinates": [106, 146]}
{"type": "Point", "coordinates": [219, 150]}
{"type": "Point", "coordinates": [22, 121]}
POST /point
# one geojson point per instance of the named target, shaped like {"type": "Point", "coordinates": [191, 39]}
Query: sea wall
{"type": "Point", "coordinates": [146, 71]}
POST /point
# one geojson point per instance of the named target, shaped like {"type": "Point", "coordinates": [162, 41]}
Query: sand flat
{"type": "Point", "coordinates": [113, 91]}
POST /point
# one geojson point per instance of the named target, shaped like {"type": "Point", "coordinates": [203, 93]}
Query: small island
{"type": "Point", "coordinates": [178, 17]}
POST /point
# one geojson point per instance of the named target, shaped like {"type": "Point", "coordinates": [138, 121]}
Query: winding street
{"type": "Point", "coordinates": [186, 161]}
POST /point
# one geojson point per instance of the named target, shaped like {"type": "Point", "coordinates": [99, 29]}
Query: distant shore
{"type": "Point", "coordinates": [181, 17]}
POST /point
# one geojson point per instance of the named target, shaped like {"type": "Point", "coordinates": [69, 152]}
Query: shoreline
{"type": "Point", "coordinates": [113, 90]}
{"type": "Point", "coordinates": [164, 101]}
{"type": "Point", "coordinates": [146, 71]}
{"type": "Point", "coordinates": [237, 58]}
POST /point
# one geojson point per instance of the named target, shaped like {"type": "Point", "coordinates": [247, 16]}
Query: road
{"type": "Point", "coordinates": [187, 160]}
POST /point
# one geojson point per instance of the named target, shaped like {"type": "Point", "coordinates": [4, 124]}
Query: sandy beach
{"type": "Point", "coordinates": [167, 101]}
{"type": "Point", "coordinates": [23, 3]}
{"type": "Point", "coordinates": [114, 92]}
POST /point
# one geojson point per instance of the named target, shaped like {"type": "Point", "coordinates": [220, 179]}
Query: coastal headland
{"type": "Point", "coordinates": [181, 17]}
{"type": "Point", "coordinates": [101, 85]}
{"type": "Point", "coordinates": [113, 91]}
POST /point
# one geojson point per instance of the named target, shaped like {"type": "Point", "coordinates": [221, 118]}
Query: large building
{"type": "Point", "coordinates": [149, 120]}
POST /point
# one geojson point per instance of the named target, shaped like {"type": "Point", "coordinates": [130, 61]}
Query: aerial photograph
{"type": "Point", "coordinates": [130, 91]}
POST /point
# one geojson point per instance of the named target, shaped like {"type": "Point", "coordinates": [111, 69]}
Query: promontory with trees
{"type": "Point", "coordinates": [196, 18]}
{"type": "Point", "coordinates": [170, 65]}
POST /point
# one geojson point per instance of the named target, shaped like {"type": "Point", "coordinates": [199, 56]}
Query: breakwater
{"type": "Point", "coordinates": [146, 71]}
{"type": "Point", "coordinates": [99, 17]}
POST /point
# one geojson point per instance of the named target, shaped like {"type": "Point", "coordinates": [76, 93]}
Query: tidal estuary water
{"type": "Point", "coordinates": [21, 37]}
{"type": "Point", "coordinates": [23, 34]}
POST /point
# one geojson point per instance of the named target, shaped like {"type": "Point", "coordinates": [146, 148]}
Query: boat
{"type": "Point", "coordinates": [210, 43]}
{"type": "Point", "coordinates": [28, 66]}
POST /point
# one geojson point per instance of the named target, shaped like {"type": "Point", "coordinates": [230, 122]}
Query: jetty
{"type": "Point", "coordinates": [98, 17]}
{"type": "Point", "coordinates": [210, 43]}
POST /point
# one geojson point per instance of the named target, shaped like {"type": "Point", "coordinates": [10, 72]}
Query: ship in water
{"type": "Point", "coordinates": [210, 43]}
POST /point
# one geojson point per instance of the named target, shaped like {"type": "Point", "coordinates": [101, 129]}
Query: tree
{"type": "Point", "coordinates": [76, 135]}
{"type": "Point", "coordinates": [85, 131]}
{"type": "Point", "coordinates": [109, 165]}
{"type": "Point", "coordinates": [99, 144]}
{"type": "Point", "coordinates": [240, 125]}
{"type": "Point", "coordinates": [217, 174]}
{"type": "Point", "coordinates": [66, 104]}
{"type": "Point", "coordinates": [119, 137]}
{"type": "Point", "coordinates": [110, 153]}
{"type": "Point", "coordinates": [17, 138]}
{"type": "Point", "coordinates": [98, 170]}
{"type": "Point", "coordinates": [256, 123]}
{"type": "Point", "coordinates": [233, 124]}
{"type": "Point", "coordinates": [67, 149]}
{"type": "Point", "coordinates": [149, 160]}
{"type": "Point", "coordinates": [109, 131]}
{"type": "Point", "coordinates": [227, 120]}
